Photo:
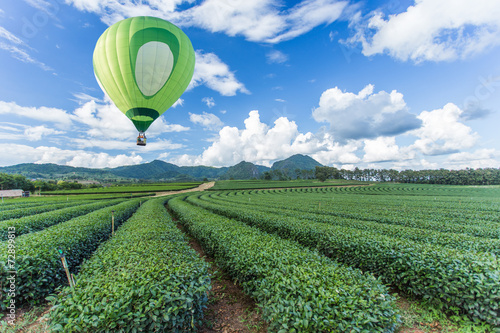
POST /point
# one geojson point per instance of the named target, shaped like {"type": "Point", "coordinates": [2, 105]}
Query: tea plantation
{"type": "Point", "coordinates": [315, 259]}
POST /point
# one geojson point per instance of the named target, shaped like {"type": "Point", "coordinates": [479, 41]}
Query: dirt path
{"type": "Point", "coordinates": [202, 187]}
{"type": "Point", "coordinates": [229, 309]}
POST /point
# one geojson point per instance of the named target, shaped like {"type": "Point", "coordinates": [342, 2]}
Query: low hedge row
{"type": "Point", "coordinates": [28, 224]}
{"type": "Point", "coordinates": [299, 290]}
{"type": "Point", "coordinates": [26, 211]}
{"type": "Point", "coordinates": [37, 262]}
{"type": "Point", "coordinates": [411, 216]}
{"type": "Point", "coordinates": [149, 280]}
{"type": "Point", "coordinates": [429, 236]}
{"type": "Point", "coordinates": [452, 279]}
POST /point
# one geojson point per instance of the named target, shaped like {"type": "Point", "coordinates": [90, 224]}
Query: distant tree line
{"type": "Point", "coordinates": [487, 176]}
{"type": "Point", "coordinates": [285, 174]}
{"type": "Point", "coordinates": [14, 182]}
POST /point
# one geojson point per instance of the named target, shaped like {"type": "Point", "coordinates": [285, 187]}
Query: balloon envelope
{"type": "Point", "coordinates": [144, 64]}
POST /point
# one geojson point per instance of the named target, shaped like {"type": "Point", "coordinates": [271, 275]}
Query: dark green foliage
{"type": "Point", "coordinates": [298, 289]}
{"type": "Point", "coordinates": [456, 280]}
{"type": "Point", "coordinates": [26, 211]}
{"type": "Point", "coordinates": [408, 225]}
{"type": "Point", "coordinates": [37, 263]}
{"type": "Point", "coordinates": [244, 170]}
{"type": "Point", "coordinates": [38, 222]}
{"type": "Point", "coordinates": [296, 161]}
{"type": "Point", "coordinates": [14, 182]}
{"type": "Point", "coordinates": [144, 279]}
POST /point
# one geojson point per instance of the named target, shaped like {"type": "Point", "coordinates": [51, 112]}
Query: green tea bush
{"type": "Point", "coordinates": [37, 262]}
{"type": "Point", "coordinates": [27, 224]}
{"type": "Point", "coordinates": [455, 280]}
{"type": "Point", "coordinates": [26, 211]}
{"type": "Point", "coordinates": [238, 209]}
{"type": "Point", "coordinates": [144, 279]}
{"type": "Point", "coordinates": [299, 290]}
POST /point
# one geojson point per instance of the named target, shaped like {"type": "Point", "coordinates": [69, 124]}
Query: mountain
{"type": "Point", "coordinates": [159, 171]}
{"type": "Point", "coordinates": [151, 170]}
{"type": "Point", "coordinates": [294, 162]}
{"type": "Point", "coordinates": [32, 170]}
{"type": "Point", "coordinates": [244, 170]}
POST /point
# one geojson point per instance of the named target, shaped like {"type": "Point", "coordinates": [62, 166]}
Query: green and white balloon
{"type": "Point", "coordinates": [144, 64]}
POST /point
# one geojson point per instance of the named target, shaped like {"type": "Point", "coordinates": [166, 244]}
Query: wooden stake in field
{"type": "Point", "coordinates": [112, 223]}
{"type": "Point", "coordinates": [65, 266]}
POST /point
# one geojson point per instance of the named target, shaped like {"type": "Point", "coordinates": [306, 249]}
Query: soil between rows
{"type": "Point", "coordinates": [229, 309]}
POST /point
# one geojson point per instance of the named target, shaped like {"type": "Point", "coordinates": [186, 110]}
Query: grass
{"type": "Point", "coordinates": [28, 321]}
{"type": "Point", "coordinates": [419, 317]}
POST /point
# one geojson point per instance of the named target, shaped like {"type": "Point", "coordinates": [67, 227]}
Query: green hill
{"type": "Point", "coordinates": [295, 162]}
{"type": "Point", "coordinates": [158, 171]}
{"type": "Point", "coordinates": [244, 170]}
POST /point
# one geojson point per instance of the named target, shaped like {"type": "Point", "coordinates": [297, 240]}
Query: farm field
{"type": "Point", "coordinates": [314, 259]}
{"type": "Point", "coordinates": [263, 184]}
{"type": "Point", "coordinates": [136, 188]}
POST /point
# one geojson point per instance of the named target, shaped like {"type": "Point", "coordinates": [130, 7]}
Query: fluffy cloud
{"type": "Point", "coordinates": [276, 57]}
{"type": "Point", "coordinates": [215, 74]}
{"type": "Point", "coordinates": [15, 154]}
{"type": "Point", "coordinates": [364, 115]}
{"type": "Point", "coordinates": [434, 30]}
{"type": "Point", "coordinates": [385, 149]}
{"type": "Point", "coordinates": [107, 122]}
{"type": "Point", "coordinates": [442, 132]}
{"type": "Point", "coordinates": [207, 120]}
{"type": "Point", "coordinates": [257, 143]}
{"type": "Point", "coordinates": [129, 145]}
{"type": "Point", "coordinates": [37, 132]}
{"type": "Point", "coordinates": [103, 160]}
{"type": "Point", "coordinates": [60, 117]}
{"type": "Point", "coordinates": [334, 153]}
{"type": "Point", "coordinates": [257, 20]}
{"type": "Point", "coordinates": [481, 158]}
{"type": "Point", "coordinates": [209, 101]}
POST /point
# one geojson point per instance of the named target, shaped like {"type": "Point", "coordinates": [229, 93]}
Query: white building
{"type": "Point", "coordinates": [11, 193]}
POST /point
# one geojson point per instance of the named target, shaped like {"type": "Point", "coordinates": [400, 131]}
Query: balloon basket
{"type": "Point", "coordinates": [141, 139]}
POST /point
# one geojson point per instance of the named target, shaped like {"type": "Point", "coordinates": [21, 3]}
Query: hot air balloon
{"type": "Point", "coordinates": [144, 64]}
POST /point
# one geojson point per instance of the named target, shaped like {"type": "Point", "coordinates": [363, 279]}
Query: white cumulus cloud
{"type": "Point", "coordinates": [37, 132]}
{"type": "Point", "coordinates": [256, 20]}
{"type": "Point", "coordinates": [384, 149]}
{"type": "Point", "coordinates": [431, 30]}
{"type": "Point", "coordinates": [207, 120]}
{"type": "Point", "coordinates": [17, 153]}
{"type": "Point", "coordinates": [442, 132]}
{"type": "Point", "coordinates": [59, 117]}
{"type": "Point", "coordinates": [215, 74]}
{"type": "Point", "coordinates": [257, 143]}
{"type": "Point", "coordinates": [365, 114]}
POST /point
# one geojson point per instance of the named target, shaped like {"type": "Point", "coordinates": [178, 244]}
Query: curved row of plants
{"type": "Point", "coordinates": [28, 224]}
{"type": "Point", "coordinates": [149, 280]}
{"type": "Point", "coordinates": [9, 205]}
{"type": "Point", "coordinates": [298, 290]}
{"type": "Point", "coordinates": [27, 211]}
{"type": "Point", "coordinates": [139, 188]}
{"type": "Point", "coordinates": [37, 261]}
{"type": "Point", "coordinates": [236, 208]}
{"type": "Point", "coordinates": [380, 211]}
{"type": "Point", "coordinates": [455, 280]}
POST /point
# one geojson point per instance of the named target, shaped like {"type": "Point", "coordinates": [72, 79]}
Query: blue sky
{"type": "Point", "coordinates": [369, 84]}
